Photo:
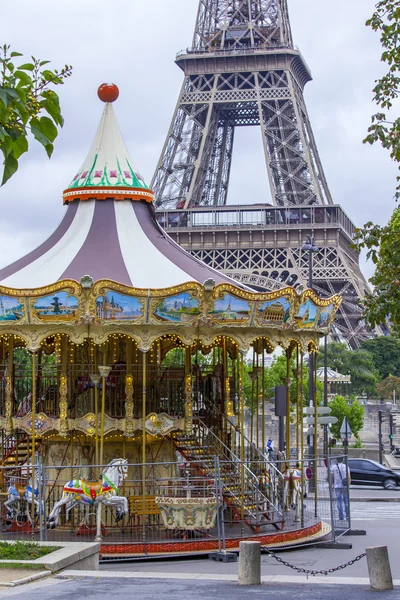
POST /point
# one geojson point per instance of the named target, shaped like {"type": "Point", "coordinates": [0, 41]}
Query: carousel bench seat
{"type": "Point", "coordinates": [138, 509]}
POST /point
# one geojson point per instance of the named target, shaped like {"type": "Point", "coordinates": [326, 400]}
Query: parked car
{"type": "Point", "coordinates": [369, 472]}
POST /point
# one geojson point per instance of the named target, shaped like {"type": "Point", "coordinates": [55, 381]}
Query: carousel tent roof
{"type": "Point", "coordinates": [332, 376]}
{"type": "Point", "coordinates": [109, 230]}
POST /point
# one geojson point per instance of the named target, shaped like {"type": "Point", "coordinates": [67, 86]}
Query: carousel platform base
{"type": "Point", "coordinates": [124, 545]}
{"type": "Point", "coordinates": [209, 546]}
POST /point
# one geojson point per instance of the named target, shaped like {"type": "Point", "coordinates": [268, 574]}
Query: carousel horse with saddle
{"type": "Point", "coordinates": [16, 493]}
{"type": "Point", "coordinates": [92, 493]}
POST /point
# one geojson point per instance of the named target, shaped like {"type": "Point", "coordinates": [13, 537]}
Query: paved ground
{"type": "Point", "coordinates": [153, 589]}
{"type": "Point", "coordinates": [380, 520]}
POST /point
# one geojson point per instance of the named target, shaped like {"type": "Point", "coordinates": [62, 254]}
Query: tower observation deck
{"type": "Point", "coordinates": [243, 70]}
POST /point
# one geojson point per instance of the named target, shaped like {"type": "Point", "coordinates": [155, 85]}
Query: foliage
{"type": "Point", "coordinates": [358, 363]}
{"type": "Point", "coordinates": [383, 243]}
{"type": "Point", "coordinates": [24, 550]}
{"type": "Point", "coordinates": [386, 21]}
{"type": "Point", "coordinates": [276, 375]}
{"type": "Point", "coordinates": [386, 354]}
{"type": "Point", "coordinates": [387, 386]}
{"type": "Point", "coordinates": [383, 247]}
{"type": "Point", "coordinates": [27, 104]}
{"type": "Point", "coordinates": [341, 409]}
{"type": "Point", "coordinates": [358, 443]}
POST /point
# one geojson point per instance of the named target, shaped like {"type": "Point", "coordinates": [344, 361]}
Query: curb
{"type": "Point", "coordinates": [28, 579]}
{"type": "Point", "coordinates": [396, 499]}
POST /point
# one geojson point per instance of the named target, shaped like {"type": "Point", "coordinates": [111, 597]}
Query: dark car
{"type": "Point", "coordinates": [368, 472]}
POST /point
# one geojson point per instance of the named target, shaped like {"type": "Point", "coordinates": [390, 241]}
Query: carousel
{"type": "Point", "coordinates": [124, 363]}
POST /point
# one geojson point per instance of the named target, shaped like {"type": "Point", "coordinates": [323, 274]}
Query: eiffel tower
{"type": "Point", "coordinates": [243, 70]}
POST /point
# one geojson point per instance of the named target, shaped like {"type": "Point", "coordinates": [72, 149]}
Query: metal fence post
{"type": "Point", "coordinates": [330, 483]}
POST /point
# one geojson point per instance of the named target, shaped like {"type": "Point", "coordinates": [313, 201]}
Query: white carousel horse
{"type": "Point", "coordinates": [104, 491]}
{"type": "Point", "coordinates": [18, 492]}
{"type": "Point", "coordinates": [297, 482]}
{"type": "Point", "coordinates": [292, 487]}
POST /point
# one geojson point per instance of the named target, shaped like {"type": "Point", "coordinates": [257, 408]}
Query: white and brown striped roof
{"type": "Point", "coordinates": [109, 230]}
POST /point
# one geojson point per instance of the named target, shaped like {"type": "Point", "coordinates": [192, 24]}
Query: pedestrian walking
{"type": "Point", "coordinates": [341, 482]}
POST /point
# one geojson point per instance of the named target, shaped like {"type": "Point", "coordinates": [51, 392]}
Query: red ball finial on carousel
{"type": "Point", "coordinates": [108, 92]}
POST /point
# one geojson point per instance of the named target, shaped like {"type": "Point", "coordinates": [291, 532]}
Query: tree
{"type": "Point", "coordinates": [386, 21]}
{"type": "Point", "coordinates": [276, 375]}
{"type": "Point", "coordinates": [25, 95]}
{"type": "Point", "coordinates": [383, 243]}
{"type": "Point", "coordinates": [387, 386]}
{"type": "Point", "coordinates": [341, 409]}
{"type": "Point", "coordinates": [358, 363]}
{"type": "Point", "coordinates": [386, 354]}
{"type": "Point", "coordinates": [383, 247]}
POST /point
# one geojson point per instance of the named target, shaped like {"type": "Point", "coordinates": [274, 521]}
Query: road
{"type": "Point", "coordinates": [381, 520]}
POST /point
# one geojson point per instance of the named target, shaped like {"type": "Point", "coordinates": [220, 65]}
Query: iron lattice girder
{"type": "Point", "coordinates": [261, 246]}
{"type": "Point", "coordinates": [269, 99]}
{"type": "Point", "coordinates": [243, 70]}
{"type": "Point", "coordinates": [236, 24]}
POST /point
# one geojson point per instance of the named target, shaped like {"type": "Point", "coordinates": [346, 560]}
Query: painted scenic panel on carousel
{"type": "Point", "coordinates": [231, 310]}
{"type": "Point", "coordinates": [113, 306]}
{"type": "Point", "coordinates": [181, 308]}
{"type": "Point", "coordinates": [274, 311]}
{"type": "Point", "coordinates": [312, 316]}
{"type": "Point", "coordinates": [59, 306]}
{"type": "Point", "coordinates": [10, 309]}
{"type": "Point", "coordinates": [325, 314]}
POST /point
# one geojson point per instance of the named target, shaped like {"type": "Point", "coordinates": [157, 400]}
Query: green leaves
{"type": "Point", "coordinates": [386, 21]}
{"type": "Point", "coordinates": [10, 167]}
{"type": "Point", "coordinates": [382, 305]}
{"type": "Point", "coordinates": [7, 95]}
{"type": "Point", "coordinates": [45, 132]}
{"type": "Point", "coordinates": [25, 94]}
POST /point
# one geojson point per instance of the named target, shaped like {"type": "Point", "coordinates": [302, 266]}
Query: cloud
{"type": "Point", "coordinates": [134, 43]}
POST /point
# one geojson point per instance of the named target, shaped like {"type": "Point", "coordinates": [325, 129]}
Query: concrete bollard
{"type": "Point", "coordinates": [380, 575]}
{"type": "Point", "coordinates": [249, 572]}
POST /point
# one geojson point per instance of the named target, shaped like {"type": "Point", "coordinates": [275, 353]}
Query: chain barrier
{"type": "Point", "coordinates": [312, 571]}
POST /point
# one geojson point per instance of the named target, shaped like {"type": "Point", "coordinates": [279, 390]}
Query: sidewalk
{"type": "Point", "coordinates": [92, 584]}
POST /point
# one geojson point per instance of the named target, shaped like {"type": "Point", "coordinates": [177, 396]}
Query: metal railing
{"type": "Point", "coordinates": [160, 495]}
{"type": "Point", "coordinates": [255, 216]}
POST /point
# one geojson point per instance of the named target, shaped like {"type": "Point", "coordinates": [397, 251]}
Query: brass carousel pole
{"type": "Point", "coordinates": [95, 377]}
{"type": "Point", "coordinates": [302, 406]}
{"type": "Point", "coordinates": [257, 407]}
{"type": "Point", "coordinates": [104, 371]}
{"type": "Point", "coordinates": [297, 402]}
{"type": "Point", "coordinates": [288, 356]}
{"type": "Point", "coordinates": [263, 402]}
{"type": "Point", "coordinates": [33, 438]}
{"type": "Point", "coordinates": [144, 401]}
{"type": "Point", "coordinates": [302, 428]}
{"type": "Point", "coordinates": [241, 414]}
{"type": "Point", "coordinates": [314, 376]}
{"type": "Point", "coordinates": [252, 401]}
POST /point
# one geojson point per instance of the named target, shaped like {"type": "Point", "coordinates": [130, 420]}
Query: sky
{"type": "Point", "coordinates": [133, 43]}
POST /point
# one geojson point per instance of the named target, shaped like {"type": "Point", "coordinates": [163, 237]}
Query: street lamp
{"type": "Point", "coordinates": [310, 247]}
